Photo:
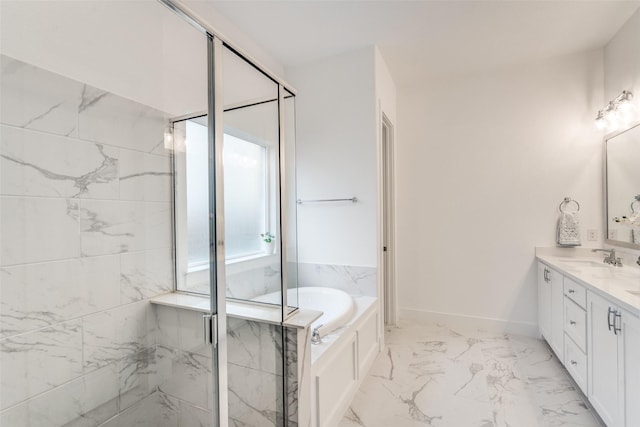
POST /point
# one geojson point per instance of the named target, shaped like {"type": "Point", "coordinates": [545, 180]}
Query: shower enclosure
{"type": "Point", "coordinates": [143, 159]}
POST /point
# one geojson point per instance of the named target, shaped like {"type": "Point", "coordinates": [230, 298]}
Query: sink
{"type": "Point", "coordinates": [584, 263]}
{"type": "Point", "coordinates": [634, 292]}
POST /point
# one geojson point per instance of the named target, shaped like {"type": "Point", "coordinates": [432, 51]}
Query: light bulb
{"type": "Point", "coordinates": [613, 120]}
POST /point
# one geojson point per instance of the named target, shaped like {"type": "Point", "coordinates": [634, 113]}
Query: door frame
{"type": "Point", "coordinates": [387, 229]}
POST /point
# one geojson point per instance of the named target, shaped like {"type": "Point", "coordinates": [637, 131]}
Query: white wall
{"type": "Point", "coordinates": [482, 162]}
{"type": "Point", "coordinates": [622, 62]}
{"type": "Point", "coordinates": [336, 158]}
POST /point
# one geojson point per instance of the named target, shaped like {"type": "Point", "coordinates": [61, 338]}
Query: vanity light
{"type": "Point", "coordinates": [617, 111]}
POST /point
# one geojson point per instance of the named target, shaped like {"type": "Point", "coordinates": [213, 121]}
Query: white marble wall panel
{"type": "Point", "coordinates": [157, 410]}
{"type": "Point", "coordinates": [193, 416]}
{"type": "Point", "coordinates": [185, 376]}
{"type": "Point", "coordinates": [86, 240]}
{"type": "Point", "coordinates": [137, 377]}
{"type": "Point", "coordinates": [109, 227]}
{"type": "Point", "coordinates": [145, 176]}
{"type": "Point", "coordinates": [255, 345]}
{"type": "Point", "coordinates": [41, 164]}
{"type": "Point", "coordinates": [254, 397]}
{"type": "Point", "coordinates": [351, 279]}
{"type": "Point", "coordinates": [38, 295]}
{"type": "Point", "coordinates": [86, 401]}
{"type": "Point", "coordinates": [145, 274]}
{"type": "Point", "coordinates": [113, 335]}
{"type": "Point", "coordinates": [109, 119]}
{"type": "Point", "coordinates": [38, 361]}
{"type": "Point", "coordinates": [181, 329]}
{"type": "Point", "coordinates": [35, 230]}
{"type": "Point", "coordinates": [33, 98]}
{"type": "Point", "coordinates": [252, 282]}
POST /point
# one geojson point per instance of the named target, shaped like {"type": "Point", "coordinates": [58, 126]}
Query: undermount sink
{"type": "Point", "coordinates": [584, 263]}
{"type": "Point", "coordinates": [634, 292]}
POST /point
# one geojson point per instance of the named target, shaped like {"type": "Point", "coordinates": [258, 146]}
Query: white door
{"type": "Point", "coordinates": [630, 381]}
{"type": "Point", "coordinates": [544, 302]}
{"type": "Point", "coordinates": [388, 246]}
{"type": "Point", "coordinates": [602, 344]}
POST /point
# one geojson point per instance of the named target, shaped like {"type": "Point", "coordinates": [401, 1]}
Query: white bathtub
{"type": "Point", "coordinates": [337, 306]}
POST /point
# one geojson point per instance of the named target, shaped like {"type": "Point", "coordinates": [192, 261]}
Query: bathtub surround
{"type": "Point", "coordinates": [351, 279]}
{"type": "Point", "coordinates": [86, 240]}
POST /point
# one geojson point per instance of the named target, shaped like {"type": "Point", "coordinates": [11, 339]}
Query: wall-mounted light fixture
{"type": "Point", "coordinates": [616, 113]}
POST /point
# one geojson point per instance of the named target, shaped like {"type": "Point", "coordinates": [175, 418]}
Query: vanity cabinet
{"type": "Point", "coordinates": [575, 330]}
{"type": "Point", "coordinates": [604, 367]}
{"type": "Point", "coordinates": [614, 362]}
{"type": "Point", "coordinates": [551, 308]}
{"type": "Point", "coordinates": [600, 344]}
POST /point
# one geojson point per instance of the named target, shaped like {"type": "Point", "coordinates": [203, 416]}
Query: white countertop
{"type": "Point", "coordinates": [587, 268]}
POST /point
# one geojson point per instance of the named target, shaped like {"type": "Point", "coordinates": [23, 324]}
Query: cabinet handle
{"type": "Point", "coordinates": [609, 322]}
{"type": "Point", "coordinates": [572, 322]}
{"type": "Point", "coordinates": [546, 275]}
{"type": "Point", "coordinates": [617, 320]}
{"type": "Point", "coordinates": [574, 363]}
{"type": "Point", "coordinates": [572, 291]}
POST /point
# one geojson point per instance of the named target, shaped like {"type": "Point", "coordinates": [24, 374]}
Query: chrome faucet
{"type": "Point", "coordinates": [315, 336]}
{"type": "Point", "coordinates": [611, 259]}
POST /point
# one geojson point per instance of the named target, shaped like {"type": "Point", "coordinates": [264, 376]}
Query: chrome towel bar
{"type": "Point", "coordinates": [352, 200]}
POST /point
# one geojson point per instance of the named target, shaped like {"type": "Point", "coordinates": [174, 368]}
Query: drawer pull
{"type": "Point", "coordinates": [574, 363]}
{"type": "Point", "coordinates": [572, 291]}
{"type": "Point", "coordinates": [572, 322]}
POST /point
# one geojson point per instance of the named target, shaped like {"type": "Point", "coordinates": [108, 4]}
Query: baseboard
{"type": "Point", "coordinates": [472, 322]}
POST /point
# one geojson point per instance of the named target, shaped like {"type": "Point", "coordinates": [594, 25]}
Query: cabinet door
{"type": "Point", "coordinates": [630, 380]}
{"type": "Point", "coordinates": [557, 313]}
{"type": "Point", "coordinates": [544, 302]}
{"type": "Point", "coordinates": [602, 344]}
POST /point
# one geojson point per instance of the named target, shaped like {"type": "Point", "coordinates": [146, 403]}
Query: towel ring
{"type": "Point", "coordinates": [566, 201]}
{"type": "Point", "coordinates": [636, 201]}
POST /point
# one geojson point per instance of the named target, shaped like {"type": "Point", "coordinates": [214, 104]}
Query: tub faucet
{"type": "Point", "coordinates": [315, 336]}
{"type": "Point", "coordinates": [611, 259]}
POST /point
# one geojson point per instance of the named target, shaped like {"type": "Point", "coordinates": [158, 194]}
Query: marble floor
{"type": "Point", "coordinates": [431, 375]}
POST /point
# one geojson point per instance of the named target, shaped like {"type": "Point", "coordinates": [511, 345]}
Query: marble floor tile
{"type": "Point", "coordinates": [432, 375]}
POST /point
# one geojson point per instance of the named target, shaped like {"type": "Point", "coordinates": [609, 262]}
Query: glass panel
{"type": "Point", "coordinates": [289, 127]}
{"type": "Point", "coordinates": [88, 89]}
{"type": "Point", "coordinates": [251, 182]}
{"type": "Point", "coordinates": [252, 241]}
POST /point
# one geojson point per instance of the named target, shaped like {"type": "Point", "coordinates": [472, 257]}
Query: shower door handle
{"type": "Point", "coordinates": [210, 329]}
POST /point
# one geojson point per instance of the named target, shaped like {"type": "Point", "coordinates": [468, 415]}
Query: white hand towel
{"type": "Point", "coordinates": [569, 229]}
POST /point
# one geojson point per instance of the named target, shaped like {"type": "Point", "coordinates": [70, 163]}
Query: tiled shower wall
{"type": "Point", "coordinates": [358, 281]}
{"type": "Point", "coordinates": [86, 241]}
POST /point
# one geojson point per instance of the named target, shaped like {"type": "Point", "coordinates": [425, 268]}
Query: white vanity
{"type": "Point", "coordinates": [589, 313]}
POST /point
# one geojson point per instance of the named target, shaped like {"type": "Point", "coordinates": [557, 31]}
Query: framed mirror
{"type": "Point", "coordinates": [622, 186]}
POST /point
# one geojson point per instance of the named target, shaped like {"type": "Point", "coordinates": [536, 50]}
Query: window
{"type": "Point", "coordinates": [247, 191]}
{"type": "Point", "coordinates": [246, 207]}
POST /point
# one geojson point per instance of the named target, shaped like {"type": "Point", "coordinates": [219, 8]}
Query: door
{"type": "Point", "coordinates": [557, 312]}
{"type": "Point", "coordinates": [544, 302]}
{"type": "Point", "coordinates": [630, 379]}
{"type": "Point", "coordinates": [388, 246]}
{"type": "Point", "coordinates": [602, 343]}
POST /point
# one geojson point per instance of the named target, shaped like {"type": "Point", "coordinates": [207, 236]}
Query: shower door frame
{"type": "Point", "coordinates": [217, 311]}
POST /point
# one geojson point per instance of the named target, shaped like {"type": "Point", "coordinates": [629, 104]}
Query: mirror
{"type": "Point", "coordinates": [623, 188]}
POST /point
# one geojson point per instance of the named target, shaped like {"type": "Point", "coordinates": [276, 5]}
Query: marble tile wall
{"type": "Point", "coordinates": [254, 369]}
{"type": "Point", "coordinates": [85, 194]}
{"type": "Point", "coordinates": [360, 281]}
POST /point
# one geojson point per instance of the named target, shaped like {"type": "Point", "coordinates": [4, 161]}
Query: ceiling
{"type": "Point", "coordinates": [422, 38]}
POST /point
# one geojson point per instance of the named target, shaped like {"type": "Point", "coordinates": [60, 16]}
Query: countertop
{"type": "Point", "coordinates": [587, 268]}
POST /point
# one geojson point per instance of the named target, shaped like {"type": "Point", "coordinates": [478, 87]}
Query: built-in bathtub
{"type": "Point", "coordinates": [338, 307]}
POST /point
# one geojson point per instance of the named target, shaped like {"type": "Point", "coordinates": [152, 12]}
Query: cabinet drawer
{"type": "Point", "coordinates": [576, 292]}
{"type": "Point", "coordinates": [575, 360]}
{"type": "Point", "coordinates": [575, 323]}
